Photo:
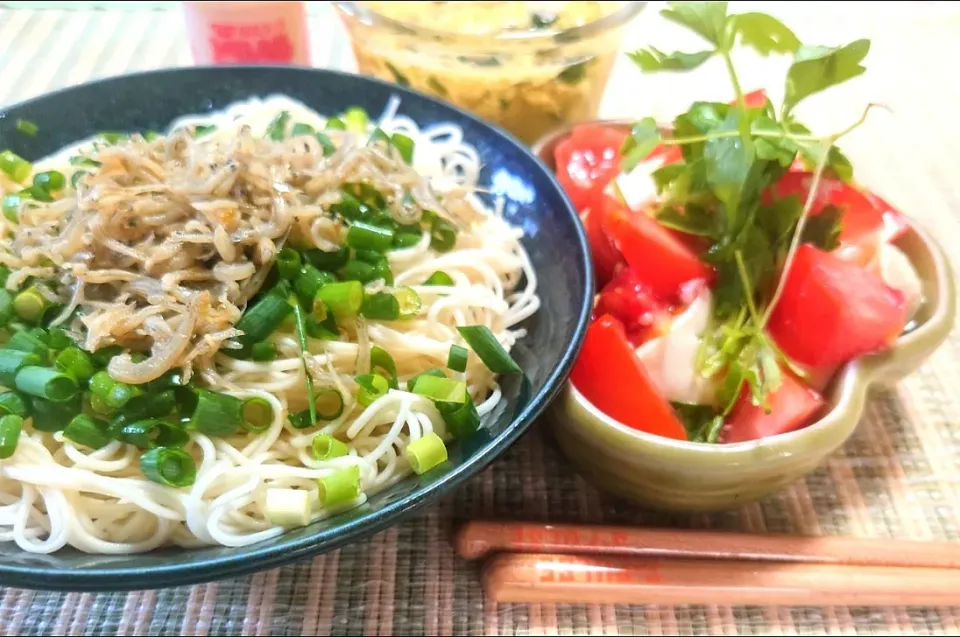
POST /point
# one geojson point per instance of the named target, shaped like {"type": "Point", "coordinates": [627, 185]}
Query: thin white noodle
{"type": "Point", "coordinates": [55, 493]}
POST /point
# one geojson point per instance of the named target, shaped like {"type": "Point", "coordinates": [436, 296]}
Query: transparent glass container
{"type": "Point", "coordinates": [527, 80]}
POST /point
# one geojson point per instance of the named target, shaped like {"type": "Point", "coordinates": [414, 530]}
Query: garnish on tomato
{"type": "Point", "coordinates": [587, 160]}
{"type": "Point", "coordinates": [790, 408]}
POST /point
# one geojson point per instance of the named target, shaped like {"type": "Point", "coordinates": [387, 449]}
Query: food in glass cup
{"type": "Point", "coordinates": [526, 66]}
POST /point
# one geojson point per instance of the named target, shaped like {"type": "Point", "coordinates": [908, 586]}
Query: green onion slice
{"type": "Point", "coordinates": [382, 363]}
{"type": "Point", "coordinates": [443, 235]}
{"type": "Point", "coordinates": [457, 358]}
{"type": "Point", "coordinates": [302, 339]}
{"type": "Point", "coordinates": [216, 414]}
{"type": "Point", "coordinates": [15, 166]}
{"type": "Point", "coordinates": [482, 341]}
{"type": "Point", "coordinates": [10, 427]}
{"type": "Point", "coordinates": [329, 403]}
{"type": "Point", "coordinates": [372, 387]}
{"type": "Point", "coordinates": [170, 467]}
{"type": "Point", "coordinates": [462, 419]}
{"type": "Point", "coordinates": [367, 236]}
{"type": "Point", "coordinates": [27, 127]}
{"type": "Point", "coordinates": [13, 403]}
{"type": "Point", "coordinates": [404, 146]}
{"type": "Point", "coordinates": [47, 383]}
{"type": "Point", "coordinates": [340, 487]}
{"type": "Point", "coordinates": [439, 278]}
{"type": "Point", "coordinates": [326, 447]}
{"type": "Point", "coordinates": [288, 263]}
{"type": "Point", "coordinates": [426, 453]}
{"type": "Point", "coordinates": [86, 431]}
{"type": "Point", "coordinates": [256, 414]}
{"type": "Point", "coordinates": [343, 298]}
{"type": "Point", "coordinates": [76, 362]}
{"type": "Point", "coordinates": [277, 129]}
{"type": "Point", "coordinates": [441, 389]}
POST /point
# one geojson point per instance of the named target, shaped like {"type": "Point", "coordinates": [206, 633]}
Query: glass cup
{"type": "Point", "coordinates": [528, 81]}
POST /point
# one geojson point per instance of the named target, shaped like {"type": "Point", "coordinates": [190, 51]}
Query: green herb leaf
{"type": "Point", "coordinates": [817, 68]}
{"type": "Point", "coordinates": [708, 19]}
{"type": "Point", "coordinates": [728, 163]}
{"type": "Point", "coordinates": [765, 34]}
{"type": "Point", "coordinates": [651, 60]}
{"type": "Point", "coordinates": [692, 219]}
{"type": "Point", "coordinates": [696, 419]}
{"type": "Point", "coordinates": [823, 229]}
{"type": "Point", "coordinates": [644, 137]}
{"type": "Point", "coordinates": [781, 149]}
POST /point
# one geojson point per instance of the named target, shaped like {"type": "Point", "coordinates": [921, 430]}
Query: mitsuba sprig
{"type": "Point", "coordinates": [733, 153]}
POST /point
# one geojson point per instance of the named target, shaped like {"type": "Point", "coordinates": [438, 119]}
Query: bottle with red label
{"type": "Point", "coordinates": [248, 32]}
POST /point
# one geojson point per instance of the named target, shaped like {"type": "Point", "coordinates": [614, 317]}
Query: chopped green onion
{"type": "Point", "coordinates": [326, 144]}
{"type": "Point", "coordinates": [287, 507]}
{"type": "Point", "coordinates": [382, 363]}
{"type": "Point", "coordinates": [356, 119]}
{"type": "Point", "coordinates": [11, 207]}
{"type": "Point", "coordinates": [410, 302]}
{"type": "Point", "coordinates": [329, 403]}
{"type": "Point", "coordinates": [441, 389]}
{"type": "Point", "coordinates": [439, 278]}
{"type": "Point", "coordinates": [103, 355]}
{"type": "Point", "coordinates": [50, 416]}
{"type": "Point", "coordinates": [10, 427]}
{"type": "Point", "coordinates": [170, 467]}
{"type": "Point", "coordinates": [36, 192]}
{"type": "Point", "coordinates": [462, 419]}
{"type": "Point", "coordinates": [288, 263]}
{"type": "Point", "coordinates": [6, 307]}
{"type": "Point", "coordinates": [326, 447]}
{"type": "Point", "coordinates": [426, 453]}
{"type": "Point", "coordinates": [404, 146]}
{"type": "Point", "coordinates": [151, 135]}
{"type": "Point", "coordinates": [76, 362]}
{"type": "Point", "coordinates": [343, 298]}
{"type": "Point", "coordinates": [489, 349]}
{"type": "Point", "coordinates": [436, 372]}
{"type": "Point", "coordinates": [308, 281]}
{"type": "Point", "coordinates": [328, 261]}
{"type": "Point", "coordinates": [263, 352]}
{"type": "Point", "coordinates": [277, 129]}
{"type": "Point", "coordinates": [366, 236]}
{"type": "Point", "coordinates": [44, 382]}
{"type": "Point", "coordinates": [15, 166]}
{"type": "Point", "coordinates": [302, 340]}
{"type": "Point", "coordinates": [381, 307]}
{"type": "Point", "coordinates": [302, 129]}
{"type": "Point", "coordinates": [407, 239]}
{"type": "Point", "coordinates": [340, 487]}
{"type": "Point", "coordinates": [457, 358]}
{"type": "Point", "coordinates": [114, 393]}
{"type": "Point", "coordinates": [261, 320]}
{"type": "Point", "coordinates": [12, 361]}
{"type": "Point", "coordinates": [76, 177]}
{"type": "Point", "coordinates": [203, 129]}
{"type": "Point", "coordinates": [378, 135]}
{"type": "Point", "coordinates": [27, 127]}
{"type": "Point", "coordinates": [58, 339]}
{"type": "Point", "coordinates": [4, 275]}
{"type": "Point", "coordinates": [216, 414]}
{"type": "Point", "coordinates": [300, 420]}
{"type": "Point", "coordinates": [372, 387]}
{"type": "Point", "coordinates": [443, 235]}
{"type": "Point", "coordinates": [325, 330]}
{"type": "Point", "coordinates": [49, 181]}
{"type": "Point", "coordinates": [88, 432]}
{"type": "Point", "coordinates": [13, 403]}
{"type": "Point", "coordinates": [30, 305]}
{"type": "Point", "coordinates": [112, 137]}
{"type": "Point", "coordinates": [382, 271]}
{"type": "Point", "coordinates": [150, 432]}
{"type": "Point", "coordinates": [156, 405]}
{"type": "Point", "coordinates": [86, 162]}
{"type": "Point", "coordinates": [99, 405]}
{"type": "Point", "coordinates": [27, 342]}
{"type": "Point", "coordinates": [256, 414]}
{"type": "Point", "coordinates": [357, 270]}
{"type": "Point", "coordinates": [350, 207]}
{"type": "Point", "coordinates": [335, 123]}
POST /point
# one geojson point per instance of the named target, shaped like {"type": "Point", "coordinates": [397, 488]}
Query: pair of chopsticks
{"type": "Point", "coordinates": [537, 563]}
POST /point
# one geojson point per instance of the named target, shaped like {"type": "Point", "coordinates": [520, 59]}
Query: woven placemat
{"type": "Point", "coordinates": [898, 476]}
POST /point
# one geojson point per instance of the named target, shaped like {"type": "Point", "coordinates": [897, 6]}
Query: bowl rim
{"type": "Point", "coordinates": [253, 558]}
{"type": "Point", "coordinates": [623, 14]}
{"type": "Point", "coordinates": [850, 383]}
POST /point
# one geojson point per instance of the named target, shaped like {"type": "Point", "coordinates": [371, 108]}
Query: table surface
{"type": "Point", "coordinates": [897, 477]}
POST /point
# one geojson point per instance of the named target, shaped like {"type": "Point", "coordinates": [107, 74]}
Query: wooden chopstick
{"type": "Point", "coordinates": [622, 579]}
{"type": "Point", "coordinates": [479, 538]}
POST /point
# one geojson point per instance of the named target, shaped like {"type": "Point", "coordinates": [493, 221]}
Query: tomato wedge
{"type": "Point", "coordinates": [587, 160]}
{"type": "Point", "coordinates": [604, 254]}
{"type": "Point", "coordinates": [609, 375]}
{"type": "Point", "coordinates": [631, 302]}
{"type": "Point", "coordinates": [831, 311]}
{"type": "Point", "coordinates": [862, 231]}
{"type": "Point", "coordinates": [660, 261]}
{"type": "Point", "coordinates": [791, 407]}
{"type": "Point", "coordinates": [755, 99]}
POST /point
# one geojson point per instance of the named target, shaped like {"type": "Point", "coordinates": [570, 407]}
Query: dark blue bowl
{"type": "Point", "coordinates": [554, 240]}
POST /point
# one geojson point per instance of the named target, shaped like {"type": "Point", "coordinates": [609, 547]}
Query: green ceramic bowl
{"type": "Point", "coordinates": [686, 476]}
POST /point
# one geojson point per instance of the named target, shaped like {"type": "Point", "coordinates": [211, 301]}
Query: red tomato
{"type": "Point", "coordinates": [831, 311]}
{"type": "Point", "coordinates": [863, 222]}
{"type": "Point", "coordinates": [609, 375]}
{"type": "Point", "coordinates": [791, 407]}
{"type": "Point", "coordinates": [659, 259]}
{"type": "Point", "coordinates": [605, 255]}
{"type": "Point", "coordinates": [895, 224]}
{"type": "Point", "coordinates": [630, 301]}
{"type": "Point", "coordinates": [755, 99]}
{"type": "Point", "coordinates": [587, 160]}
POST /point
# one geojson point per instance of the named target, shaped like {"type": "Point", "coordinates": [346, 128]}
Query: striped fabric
{"type": "Point", "coordinates": [898, 477]}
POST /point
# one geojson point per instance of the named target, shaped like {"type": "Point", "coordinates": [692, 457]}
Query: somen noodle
{"type": "Point", "coordinates": [173, 301]}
